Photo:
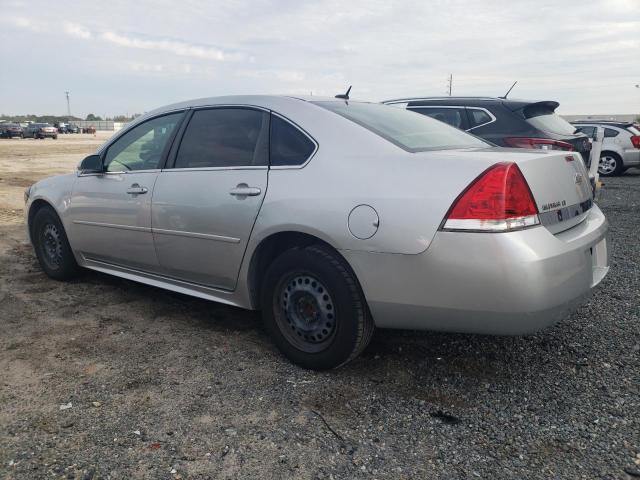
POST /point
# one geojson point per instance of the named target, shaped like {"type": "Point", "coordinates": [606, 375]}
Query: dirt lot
{"type": "Point", "coordinates": [105, 378]}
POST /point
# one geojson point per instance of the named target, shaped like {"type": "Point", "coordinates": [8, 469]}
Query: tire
{"type": "Point", "coordinates": [52, 246]}
{"type": "Point", "coordinates": [314, 309]}
{"type": "Point", "coordinates": [55, 137]}
{"type": "Point", "coordinates": [610, 164]}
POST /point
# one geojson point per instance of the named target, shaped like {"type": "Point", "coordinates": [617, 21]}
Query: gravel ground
{"type": "Point", "coordinates": [105, 378]}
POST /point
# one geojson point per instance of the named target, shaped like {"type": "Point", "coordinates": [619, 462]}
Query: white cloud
{"type": "Point", "coordinates": [76, 30]}
{"type": "Point", "coordinates": [585, 57]}
{"type": "Point", "coordinates": [175, 47]}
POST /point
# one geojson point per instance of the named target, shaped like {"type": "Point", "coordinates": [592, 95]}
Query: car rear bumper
{"type": "Point", "coordinates": [505, 284]}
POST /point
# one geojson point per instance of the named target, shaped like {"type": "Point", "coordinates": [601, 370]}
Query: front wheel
{"type": "Point", "coordinates": [51, 245]}
{"type": "Point", "coordinates": [610, 165]}
{"type": "Point", "coordinates": [313, 308]}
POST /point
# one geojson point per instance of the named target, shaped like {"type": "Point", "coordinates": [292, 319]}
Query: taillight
{"type": "Point", "coordinates": [539, 143]}
{"type": "Point", "coordinates": [635, 139]}
{"type": "Point", "coordinates": [498, 200]}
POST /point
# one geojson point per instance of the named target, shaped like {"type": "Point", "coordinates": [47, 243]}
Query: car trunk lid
{"type": "Point", "coordinates": [560, 186]}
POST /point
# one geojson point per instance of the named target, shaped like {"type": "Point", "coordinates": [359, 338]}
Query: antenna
{"type": "Point", "coordinates": [509, 91]}
{"type": "Point", "coordinates": [450, 83]}
{"type": "Point", "coordinates": [345, 96]}
{"type": "Point", "coordinates": [68, 105]}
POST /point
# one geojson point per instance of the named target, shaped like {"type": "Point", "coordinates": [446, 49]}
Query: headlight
{"type": "Point", "coordinates": [27, 192]}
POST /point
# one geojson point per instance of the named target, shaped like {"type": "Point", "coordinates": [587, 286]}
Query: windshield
{"type": "Point", "coordinates": [408, 130]}
{"type": "Point", "coordinates": [550, 121]}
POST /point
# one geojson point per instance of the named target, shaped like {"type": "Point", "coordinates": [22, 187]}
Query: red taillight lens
{"type": "Point", "coordinates": [635, 139]}
{"type": "Point", "coordinates": [498, 200]}
{"type": "Point", "coordinates": [539, 143]}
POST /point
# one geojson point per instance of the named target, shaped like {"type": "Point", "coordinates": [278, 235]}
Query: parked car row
{"type": "Point", "coordinates": [67, 128]}
{"type": "Point", "coordinates": [374, 216]}
{"type": "Point", "coordinates": [40, 130]}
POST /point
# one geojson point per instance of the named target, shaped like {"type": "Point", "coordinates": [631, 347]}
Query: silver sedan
{"type": "Point", "coordinates": [332, 217]}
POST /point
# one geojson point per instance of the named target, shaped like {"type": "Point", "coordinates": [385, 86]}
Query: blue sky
{"type": "Point", "coordinates": [121, 57]}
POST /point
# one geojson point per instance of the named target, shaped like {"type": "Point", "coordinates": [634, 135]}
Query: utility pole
{"type": "Point", "coordinates": [450, 83]}
{"type": "Point", "coordinates": [68, 106]}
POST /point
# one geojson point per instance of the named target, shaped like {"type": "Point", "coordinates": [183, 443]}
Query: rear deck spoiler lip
{"type": "Point", "coordinates": [544, 103]}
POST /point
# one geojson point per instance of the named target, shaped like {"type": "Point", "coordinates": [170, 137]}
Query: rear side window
{"type": "Point", "coordinates": [587, 130]}
{"type": "Point", "coordinates": [478, 117]}
{"type": "Point", "coordinates": [224, 137]}
{"type": "Point", "coordinates": [609, 133]}
{"type": "Point", "coordinates": [288, 145]}
{"type": "Point", "coordinates": [451, 116]}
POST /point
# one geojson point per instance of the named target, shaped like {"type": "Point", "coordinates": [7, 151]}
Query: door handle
{"type": "Point", "coordinates": [243, 190]}
{"type": "Point", "coordinates": [136, 189]}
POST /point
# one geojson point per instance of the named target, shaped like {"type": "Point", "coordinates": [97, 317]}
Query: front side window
{"type": "Point", "coordinates": [224, 137]}
{"type": "Point", "coordinates": [141, 148]}
{"type": "Point", "coordinates": [406, 129]}
{"type": "Point", "coordinates": [288, 145]}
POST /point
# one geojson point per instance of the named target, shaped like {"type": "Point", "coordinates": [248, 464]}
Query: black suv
{"type": "Point", "coordinates": [504, 122]}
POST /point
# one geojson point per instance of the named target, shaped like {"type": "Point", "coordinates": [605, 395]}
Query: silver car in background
{"type": "Point", "coordinates": [620, 146]}
{"type": "Point", "coordinates": [326, 214]}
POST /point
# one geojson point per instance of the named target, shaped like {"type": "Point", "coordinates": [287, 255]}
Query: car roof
{"type": "Point", "coordinates": [510, 103]}
{"type": "Point", "coordinates": [611, 123]}
{"type": "Point", "coordinates": [255, 100]}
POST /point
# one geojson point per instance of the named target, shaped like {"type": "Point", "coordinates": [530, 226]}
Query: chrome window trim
{"type": "Point", "coordinates": [491, 115]}
{"type": "Point", "coordinates": [493, 118]}
{"type": "Point", "coordinates": [304, 132]}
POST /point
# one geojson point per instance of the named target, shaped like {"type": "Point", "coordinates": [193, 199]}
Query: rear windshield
{"type": "Point", "coordinates": [547, 120]}
{"type": "Point", "coordinates": [634, 130]}
{"type": "Point", "coordinates": [408, 130]}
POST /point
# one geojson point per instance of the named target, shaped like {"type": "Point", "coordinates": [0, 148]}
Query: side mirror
{"type": "Point", "coordinates": [91, 164]}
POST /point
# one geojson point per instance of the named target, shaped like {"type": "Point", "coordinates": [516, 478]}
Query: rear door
{"type": "Point", "coordinates": [204, 206]}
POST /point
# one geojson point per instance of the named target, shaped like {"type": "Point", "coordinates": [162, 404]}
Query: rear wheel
{"type": "Point", "coordinates": [610, 164]}
{"type": "Point", "coordinates": [313, 308]}
{"type": "Point", "coordinates": [51, 245]}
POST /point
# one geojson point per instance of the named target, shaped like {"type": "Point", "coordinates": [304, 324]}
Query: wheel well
{"type": "Point", "coordinates": [612, 153]}
{"type": "Point", "coordinates": [35, 208]}
{"type": "Point", "coordinates": [269, 249]}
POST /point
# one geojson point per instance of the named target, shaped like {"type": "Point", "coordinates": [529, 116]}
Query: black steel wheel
{"type": "Point", "coordinates": [314, 309]}
{"type": "Point", "coordinates": [51, 245]}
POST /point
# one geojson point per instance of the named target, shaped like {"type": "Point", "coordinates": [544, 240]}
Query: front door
{"type": "Point", "coordinates": [110, 213]}
{"type": "Point", "coordinates": [204, 208]}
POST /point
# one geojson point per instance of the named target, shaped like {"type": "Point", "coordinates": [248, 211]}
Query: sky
{"type": "Point", "coordinates": [122, 57]}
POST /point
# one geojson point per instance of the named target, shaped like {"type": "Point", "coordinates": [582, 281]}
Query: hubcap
{"type": "Point", "coordinates": [607, 164]}
{"type": "Point", "coordinates": [52, 245]}
{"type": "Point", "coordinates": [305, 313]}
